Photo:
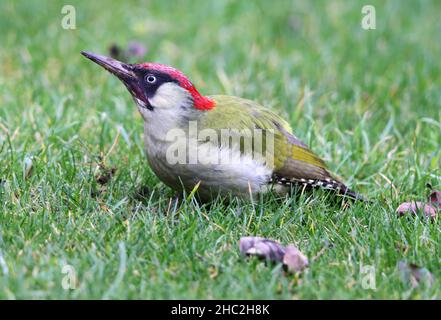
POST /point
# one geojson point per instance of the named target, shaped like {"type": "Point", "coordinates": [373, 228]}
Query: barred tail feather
{"type": "Point", "coordinates": [327, 183]}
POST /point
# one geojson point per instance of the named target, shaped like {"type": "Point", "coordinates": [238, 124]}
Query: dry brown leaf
{"type": "Point", "coordinates": [435, 198]}
{"type": "Point", "coordinates": [430, 209]}
{"type": "Point", "coordinates": [291, 257]}
{"type": "Point", "coordinates": [415, 207]}
{"type": "Point", "coordinates": [262, 248]}
{"type": "Point", "coordinates": [294, 259]}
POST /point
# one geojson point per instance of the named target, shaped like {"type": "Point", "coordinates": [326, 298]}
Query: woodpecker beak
{"type": "Point", "coordinates": [125, 72]}
{"type": "Point", "coordinates": [120, 69]}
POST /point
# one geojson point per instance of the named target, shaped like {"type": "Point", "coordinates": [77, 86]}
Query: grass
{"type": "Point", "coordinates": [368, 102]}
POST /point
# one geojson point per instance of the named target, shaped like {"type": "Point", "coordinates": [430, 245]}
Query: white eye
{"type": "Point", "coordinates": [150, 79]}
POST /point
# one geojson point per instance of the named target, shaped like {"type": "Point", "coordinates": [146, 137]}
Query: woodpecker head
{"type": "Point", "coordinates": [156, 88]}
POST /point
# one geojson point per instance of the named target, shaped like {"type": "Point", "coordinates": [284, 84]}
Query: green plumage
{"type": "Point", "coordinates": [293, 162]}
{"type": "Point", "coordinates": [241, 114]}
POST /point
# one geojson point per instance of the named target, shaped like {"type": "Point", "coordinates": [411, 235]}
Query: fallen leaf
{"type": "Point", "coordinates": [294, 260]}
{"type": "Point", "coordinates": [435, 198]}
{"type": "Point", "coordinates": [262, 248]}
{"type": "Point", "coordinates": [415, 207]}
{"type": "Point", "coordinates": [291, 257]}
{"type": "Point", "coordinates": [430, 209]}
{"type": "Point", "coordinates": [415, 275]}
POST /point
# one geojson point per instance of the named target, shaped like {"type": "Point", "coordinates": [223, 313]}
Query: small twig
{"type": "Point", "coordinates": [390, 182]}
{"type": "Point", "coordinates": [115, 142]}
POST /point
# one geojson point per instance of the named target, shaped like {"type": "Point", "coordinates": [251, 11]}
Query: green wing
{"type": "Point", "coordinates": [293, 158]}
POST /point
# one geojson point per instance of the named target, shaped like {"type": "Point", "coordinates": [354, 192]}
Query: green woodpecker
{"type": "Point", "coordinates": [217, 144]}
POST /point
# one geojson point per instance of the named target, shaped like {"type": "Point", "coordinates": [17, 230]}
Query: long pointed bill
{"type": "Point", "coordinates": [120, 69]}
{"type": "Point", "coordinates": [125, 72]}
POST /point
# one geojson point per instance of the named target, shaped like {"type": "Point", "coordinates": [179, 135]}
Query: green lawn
{"type": "Point", "coordinates": [368, 102]}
